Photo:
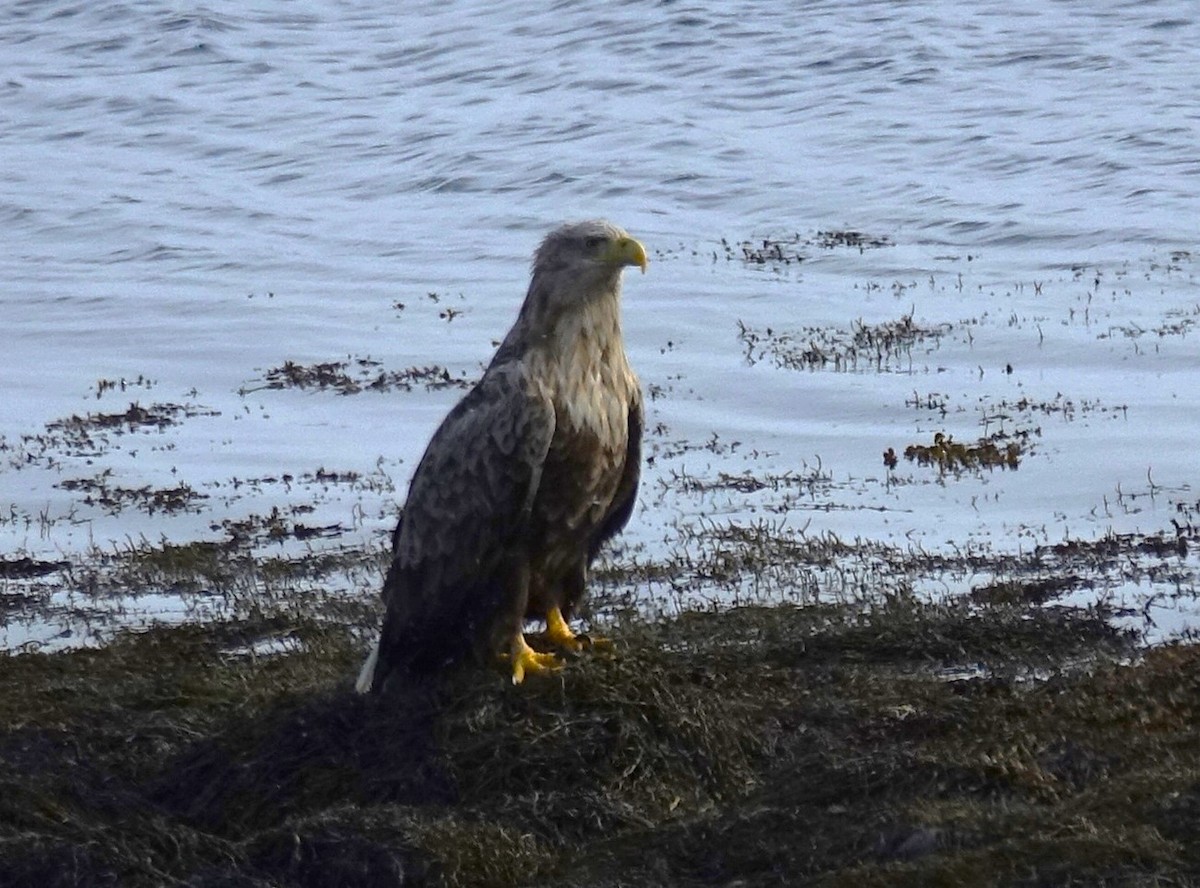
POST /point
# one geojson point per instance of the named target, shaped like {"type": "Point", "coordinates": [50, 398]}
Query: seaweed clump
{"type": "Point", "coordinates": [953, 456]}
{"type": "Point", "coordinates": [786, 249]}
{"type": "Point", "coordinates": [356, 375]}
{"type": "Point", "coordinates": [899, 744]}
{"type": "Point", "coordinates": [91, 433]}
{"type": "Point", "coordinates": [884, 346]}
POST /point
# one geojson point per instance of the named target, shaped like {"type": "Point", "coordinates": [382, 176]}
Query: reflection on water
{"type": "Point", "coordinates": [190, 200]}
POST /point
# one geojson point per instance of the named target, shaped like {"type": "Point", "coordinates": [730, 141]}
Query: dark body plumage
{"type": "Point", "coordinates": [525, 478]}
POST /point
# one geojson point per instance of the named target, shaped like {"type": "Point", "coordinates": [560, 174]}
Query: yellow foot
{"type": "Point", "coordinates": [559, 634]}
{"type": "Point", "coordinates": [526, 661]}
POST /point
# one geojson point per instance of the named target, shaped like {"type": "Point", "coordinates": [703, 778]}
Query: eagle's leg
{"type": "Point", "coordinates": [573, 591]}
{"type": "Point", "coordinates": [526, 661]}
{"type": "Point", "coordinates": [508, 644]}
{"type": "Point", "coordinates": [559, 634]}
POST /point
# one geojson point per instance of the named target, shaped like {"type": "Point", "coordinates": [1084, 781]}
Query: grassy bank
{"type": "Point", "coordinates": [989, 741]}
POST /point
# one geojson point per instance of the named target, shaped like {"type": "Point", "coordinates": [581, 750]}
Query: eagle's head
{"type": "Point", "coordinates": [586, 257]}
{"type": "Point", "coordinates": [575, 289]}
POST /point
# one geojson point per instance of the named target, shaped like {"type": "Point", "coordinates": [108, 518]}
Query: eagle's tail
{"type": "Point", "coordinates": [366, 677]}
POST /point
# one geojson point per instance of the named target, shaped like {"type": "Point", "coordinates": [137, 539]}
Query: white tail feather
{"type": "Point", "coordinates": [366, 677]}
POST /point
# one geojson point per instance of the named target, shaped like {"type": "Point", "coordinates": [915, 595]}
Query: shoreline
{"type": "Point", "coordinates": [987, 738]}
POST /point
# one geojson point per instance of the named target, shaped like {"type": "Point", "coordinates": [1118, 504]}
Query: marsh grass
{"type": "Point", "coordinates": [889, 346]}
{"type": "Point", "coordinates": [92, 434]}
{"type": "Point", "coordinates": [950, 456]}
{"type": "Point", "coordinates": [355, 375]}
{"type": "Point", "coordinates": [992, 739]}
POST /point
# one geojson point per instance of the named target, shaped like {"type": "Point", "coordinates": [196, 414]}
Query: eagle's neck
{"type": "Point", "coordinates": [580, 362]}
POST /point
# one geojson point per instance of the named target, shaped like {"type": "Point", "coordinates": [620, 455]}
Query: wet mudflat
{"type": "Point", "coordinates": [1004, 736]}
{"type": "Point", "coordinates": [990, 740]}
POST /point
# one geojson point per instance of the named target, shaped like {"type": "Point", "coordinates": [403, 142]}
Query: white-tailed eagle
{"type": "Point", "coordinates": [525, 478]}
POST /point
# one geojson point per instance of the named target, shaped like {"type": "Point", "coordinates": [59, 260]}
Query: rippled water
{"type": "Point", "coordinates": [195, 198]}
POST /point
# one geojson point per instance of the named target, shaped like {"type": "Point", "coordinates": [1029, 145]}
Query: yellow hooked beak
{"type": "Point", "coordinates": [627, 251]}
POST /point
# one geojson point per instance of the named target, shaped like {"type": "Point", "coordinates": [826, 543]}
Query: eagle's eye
{"type": "Point", "coordinates": [594, 242]}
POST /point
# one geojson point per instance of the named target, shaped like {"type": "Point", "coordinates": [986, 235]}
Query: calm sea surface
{"type": "Point", "coordinates": [190, 199]}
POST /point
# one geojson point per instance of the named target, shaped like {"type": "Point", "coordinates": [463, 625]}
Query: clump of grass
{"type": "Point", "coordinates": [786, 249]}
{"type": "Point", "coordinates": [950, 456]}
{"type": "Point", "coordinates": [89, 434]}
{"type": "Point", "coordinates": [1035, 591]}
{"type": "Point", "coordinates": [182, 565]}
{"type": "Point", "coordinates": [883, 346]}
{"type": "Point", "coordinates": [105, 384]}
{"type": "Point", "coordinates": [24, 567]}
{"type": "Point", "coordinates": [136, 416]}
{"type": "Point", "coordinates": [356, 375]}
{"type": "Point", "coordinates": [113, 498]}
{"type": "Point", "coordinates": [774, 251]}
{"type": "Point", "coordinates": [848, 238]}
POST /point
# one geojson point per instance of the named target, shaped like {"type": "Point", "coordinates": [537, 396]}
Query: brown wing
{"type": "Point", "coordinates": [626, 495]}
{"type": "Point", "coordinates": [466, 515]}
